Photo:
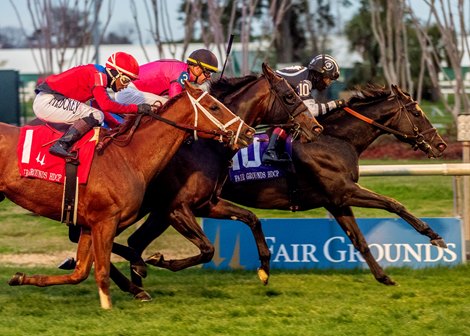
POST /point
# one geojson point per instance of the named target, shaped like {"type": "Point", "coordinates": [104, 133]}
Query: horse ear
{"type": "Point", "coordinates": [396, 90]}
{"type": "Point", "coordinates": [190, 87]}
{"type": "Point", "coordinates": [267, 71]}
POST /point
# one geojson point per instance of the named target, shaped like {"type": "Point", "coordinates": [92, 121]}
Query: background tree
{"type": "Point", "coordinates": [63, 33]}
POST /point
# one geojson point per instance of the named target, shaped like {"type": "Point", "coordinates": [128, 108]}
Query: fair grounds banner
{"type": "Point", "coordinates": [320, 243]}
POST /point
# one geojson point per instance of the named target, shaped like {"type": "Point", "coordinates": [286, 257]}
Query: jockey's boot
{"type": "Point", "coordinates": [275, 152]}
{"type": "Point", "coordinates": [72, 135]}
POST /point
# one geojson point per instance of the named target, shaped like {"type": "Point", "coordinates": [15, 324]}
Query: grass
{"type": "Point", "coordinates": [206, 302]}
{"type": "Point", "coordinates": [202, 302]}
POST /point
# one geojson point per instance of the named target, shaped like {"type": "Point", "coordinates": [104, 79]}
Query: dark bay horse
{"type": "Point", "coordinates": [191, 182]}
{"type": "Point", "coordinates": [118, 179]}
{"type": "Point", "coordinates": [327, 172]}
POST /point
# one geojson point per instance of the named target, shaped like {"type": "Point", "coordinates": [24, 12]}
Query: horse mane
{"type": "Point", "coordinates": [368, 94]}
{"type": "Point", "coordinates": [129, 122]}
{"type": "Point", "coordinates": [225, 86]}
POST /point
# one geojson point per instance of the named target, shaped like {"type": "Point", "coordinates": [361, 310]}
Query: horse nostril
{"type": "Point", "coordinates": [441, 147]}
{"type": "Point", "coordinates": [318, 129]}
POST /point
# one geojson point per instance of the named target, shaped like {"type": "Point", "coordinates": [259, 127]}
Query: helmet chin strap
{"type": "Point", "coordinates": [112, 85]}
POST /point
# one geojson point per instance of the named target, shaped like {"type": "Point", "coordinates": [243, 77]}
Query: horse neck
{"type": "Point", "coordinates": [352, 130]}
{"type": "Point", "coordinates": [252, 109]}
{"type": "Point", "coordinates": [155, 142]}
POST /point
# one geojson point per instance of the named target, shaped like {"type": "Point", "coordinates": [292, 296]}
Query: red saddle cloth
{"type": "Point", "coordinates": [35, 161]}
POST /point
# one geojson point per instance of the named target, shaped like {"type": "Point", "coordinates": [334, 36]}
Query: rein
{"type": "Point", "coordinates": [196, 107]}
{"type": "Point", "coordinates": [417, 137]}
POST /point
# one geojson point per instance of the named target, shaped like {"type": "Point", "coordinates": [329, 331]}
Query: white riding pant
{"type": "Point", "coordinates": [131, 95]}
{"type": "Point", "coordinates": [47, 108]}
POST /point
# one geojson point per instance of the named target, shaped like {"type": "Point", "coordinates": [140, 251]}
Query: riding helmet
{"type": "Point", "coordinates": [325, 65]}
{"type": "Point", "coordinates": [124, 63]}
{"type": "Point", "coordinates": [205, 59]}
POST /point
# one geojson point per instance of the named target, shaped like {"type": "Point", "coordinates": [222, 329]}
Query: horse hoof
{"type": "Point", "coordinates": [17, 279]}
{"type": "Point", "coordinates": [439, 242]}
{"type": "Point", "coordinates": [263, 276]}
{"type": "Point", "coordinates": [386, 280]}
{"type": "Point", "coordinates": [143, 296]}
{"type": "Point", "coordinates": [155, 259]}
{"type": "Point", "coordinates": [140, 269]}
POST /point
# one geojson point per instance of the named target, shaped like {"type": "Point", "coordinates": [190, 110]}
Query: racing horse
{"type": "Point", "coordinates": [190, 184]}
{"type": "Point", "coordinates": [118, 179]}
{"type": "Point", "coordinates": [327, 173]}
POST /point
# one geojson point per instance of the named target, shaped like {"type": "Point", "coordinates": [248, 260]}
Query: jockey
{"type": "Point", "coordinates": [163, 79]}
{"type": "Point", "coordinates": [318, 75]}
{"type": "Point", "coordinates": [63, 98]}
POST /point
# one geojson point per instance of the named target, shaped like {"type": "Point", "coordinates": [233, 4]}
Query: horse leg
{"type": "Point", "coordinates": [345, 218]}
{"type": "Point", "coordinates": [183, 220]}
{"type": "Point", "coordinates": [102, 237]}
{"type": "Point", "coordinates": [127, 286]}
{"type": "Point", "coordinates": [138, 241]}
{"type": "Point", "coordinates": [2, 196]}
{"type": "Point", "coordinates": [80, 273]}
{"type": "Point", "coordinates": [365, 198]}
{"type": "Point", "coordinates": [226, 210]}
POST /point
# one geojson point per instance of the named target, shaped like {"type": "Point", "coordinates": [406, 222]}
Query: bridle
{"type": "Point", "coordinates": [417, 139]}
{"type": "Point", "coordinates": [221, 130]}
{"type": "Point", "coordinates": [295, 127]}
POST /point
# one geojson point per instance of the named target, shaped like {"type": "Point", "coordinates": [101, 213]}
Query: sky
{"type": "Point", "coordinates": [121, 13]}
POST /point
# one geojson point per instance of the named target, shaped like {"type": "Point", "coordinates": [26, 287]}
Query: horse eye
{"type": "Point", "coordinates": [289, 97]}
{"type": "Point", "coordinates": [214, 107]}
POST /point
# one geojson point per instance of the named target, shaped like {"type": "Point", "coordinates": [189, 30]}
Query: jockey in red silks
{"type": "Point", "coordinates": [63, 98]}
{"type": "Point", "coordinates": [163, 79]}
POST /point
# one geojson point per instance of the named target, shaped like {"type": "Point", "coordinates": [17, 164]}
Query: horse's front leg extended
{"type": "Point", "coordinates": [80, 273]}
{"type": "Point", "coordinates": [364, 198]}
{"type": "Point", "coordinates": [345, 218]}
{"type": "Point", "coordinates": [226, 210]}
{"type": "Point", "coordinates": [183, 220]}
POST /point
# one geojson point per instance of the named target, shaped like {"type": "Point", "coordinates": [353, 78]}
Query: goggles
{"type": "Point", "coordinates": [125, 80]}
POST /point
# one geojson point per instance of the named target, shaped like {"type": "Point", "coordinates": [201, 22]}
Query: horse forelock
{"type": "Point", "coordinates": [371, 93]}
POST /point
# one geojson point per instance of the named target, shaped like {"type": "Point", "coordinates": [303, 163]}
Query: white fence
{"type": "Point", "coordinates": [450, 169]}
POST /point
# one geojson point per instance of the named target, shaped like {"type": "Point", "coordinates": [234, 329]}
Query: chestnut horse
{"type": "Point", "coordinates": [118, 179]}
{"type": "Point", "coordinates": [190, 184]}
{"type": "Point", "coordinates": [327, 172]}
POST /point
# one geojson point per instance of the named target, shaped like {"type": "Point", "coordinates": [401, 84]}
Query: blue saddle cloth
{"type": "Point", "coordinates": [247, 165]}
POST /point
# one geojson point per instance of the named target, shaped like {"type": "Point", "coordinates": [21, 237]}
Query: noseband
{"type": "Point", "coordinates": [417, 138]}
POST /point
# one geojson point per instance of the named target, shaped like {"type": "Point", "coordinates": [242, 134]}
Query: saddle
{"type": "Point", "coordinates": [247, 166]}
{"type": "Point", "coordinates": [35, 161]}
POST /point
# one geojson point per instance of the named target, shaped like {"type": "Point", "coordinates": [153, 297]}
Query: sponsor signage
{"type": "Point", "coordinates": [321, 243]}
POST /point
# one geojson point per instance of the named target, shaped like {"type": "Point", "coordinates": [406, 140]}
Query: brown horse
{"type": "Point", "coordinates": [327, 172]}
{"type": "Point", "coordinates": [117, 180]}
{"type": "Point", "coordinates": [191, 185]}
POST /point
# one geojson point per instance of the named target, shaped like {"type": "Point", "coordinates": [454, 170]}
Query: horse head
{"type": "Point", "coordinates": [415, 127]}
{"type": "Point", "coordinates": [288, 101]}
{"type": "Point", "coordinates": [394, 112]}
{"type": "Point", "coordinates": [231, 129]}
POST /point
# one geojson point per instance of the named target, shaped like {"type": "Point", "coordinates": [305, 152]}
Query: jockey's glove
{"type": "Point", "coordinates": [340, 103]}
{"type": "Point", "coordinates": [144, 108]}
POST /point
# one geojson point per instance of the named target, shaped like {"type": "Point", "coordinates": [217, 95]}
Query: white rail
{"type": "Point", "coordinates": [452, 169]}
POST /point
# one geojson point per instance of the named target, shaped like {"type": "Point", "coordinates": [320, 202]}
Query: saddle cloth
{"type": "Point", "coordinates": [247, 165]}
{"type": "Point", "coordinates": [35, 161]}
